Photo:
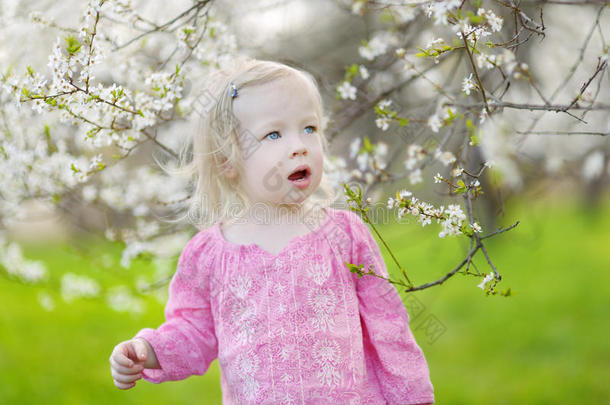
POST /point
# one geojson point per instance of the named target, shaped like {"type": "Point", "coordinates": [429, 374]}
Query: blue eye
{"type": "Point", "coordinates": [312, 129]}
{"type": "Point", "coordinates": [271, 135]}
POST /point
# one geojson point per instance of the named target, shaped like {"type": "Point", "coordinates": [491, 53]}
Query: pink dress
{"type": "Point", "coordinates": [291, 328]}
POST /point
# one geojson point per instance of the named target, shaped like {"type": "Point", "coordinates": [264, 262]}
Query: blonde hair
{"type": "Point", "coordinates": [215, 147]}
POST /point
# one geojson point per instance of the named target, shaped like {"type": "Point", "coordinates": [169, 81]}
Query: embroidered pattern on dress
{"type": "Point", "coordinates": [244, 314]}
{"type": "Point", "coordinates": [327, 354]}
{"type": "Point", "coordinates": [318, 272]}
{"type": "Point", "coordinates": [323, 302]}
{"type": "Point", "coordinates": [247, 364]}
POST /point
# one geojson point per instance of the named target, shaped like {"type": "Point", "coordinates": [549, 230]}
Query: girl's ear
{"type": "Point", "coordinates": [228, 169]}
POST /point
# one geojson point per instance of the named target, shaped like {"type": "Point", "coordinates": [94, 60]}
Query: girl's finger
{"type": "Point", "coordinates": [121, 359]}
{"type": "Point", "coordinates": [122, 386]}
{"type": "Point", "coordinates": [126, 379]}
{"type": "Point", "coordinates": [126, 370]}
{"type": "Point", "coordinates": [140, 349]}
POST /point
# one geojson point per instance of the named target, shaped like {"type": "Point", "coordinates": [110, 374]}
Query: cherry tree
{"type": "Point", "coordinates": [461, 96]}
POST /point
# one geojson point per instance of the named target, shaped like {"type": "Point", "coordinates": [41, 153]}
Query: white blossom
{"type": "Point", "coordinates": [476, 227]}
{"type": "Point", "coordinates": [16, 265]}
{"type": "Point", "coordinates": [384, 104]}
{"type": "Point", "coordinates": [74, 286]}
{"type": "Point", "coordinates": [482, 116]}
{"type": "Point", "coordinates": [410, 163]}
{"type": "Point", "coordinates": [446, 158]}
{"type": "Point", "coordinates": [485, 61]}
{"type": "Point", "coordinates": [383, 123]}
{"type": "Point", "coordinates": [404, 194]}
{"type": "Point", "coordinates": [347, 91]}
{"type": "Point", "coordinates": [354, 148]}
{"type": "Point", "coordinates": [439, 10]}
{"type": "Point", "coordinates": [416, 151]}
{"type": "Point", "coordinates": [358, 7]}
{"type": "Point", "coordinates": [89, 193]}
{"type": "Point", "coordinates": [494, 21]}
{"type": "Point", "coordinates": [121, 299]}
{"type": "Point", "coordinates": [434, 42]}
{"type": "Point", "coordinates": [457, 171]}
{"type": "Point", "coordinates": [364, 73]}
{"type": "Point", "coordinates": [593, 165]}
{"type": "Point", "coordinates": [486, 280]}
{"type": "Point", "coordinates": [336, 171]}
{"type": "Point", "coordinates": [377, 45]}
{"type": "Point", "coordinates": [391, 203]}
{"type": "Point", "coordinates": [363, 161]}
{"type": "Point", "coordinates": [415, 176]}
{"type": "Point", "coordinates": [468, 85]}
{"type": "Point", "coordinates": [434, 123]}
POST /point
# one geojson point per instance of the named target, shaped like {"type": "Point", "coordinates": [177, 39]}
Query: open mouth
{"type": "Point", "coordinates": [300, 177]}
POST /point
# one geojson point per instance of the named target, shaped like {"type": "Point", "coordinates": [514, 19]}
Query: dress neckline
{"type": "Point", "coordinates": [253, 247]}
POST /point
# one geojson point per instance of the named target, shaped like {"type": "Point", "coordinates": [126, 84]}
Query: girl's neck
{"type": "Point", "coordinates": [283, 215]}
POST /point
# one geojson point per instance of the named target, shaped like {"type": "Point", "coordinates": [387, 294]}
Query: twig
{"type": "Point", "coordinates": [197, 6]}
{"type": "Point", "coordinates": [448, 275]}
{"type": "Point", "coordinates": [532, 107]}
{"type": "Point", "coordinates": [476, 72]}
{"type": "Point", "coordinates": [499, 231]}
{"type": "Point", "coordinates": [563, 133]}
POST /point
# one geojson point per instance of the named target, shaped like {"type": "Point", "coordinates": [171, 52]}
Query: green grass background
{"type": "Point", "coordinates": [547, 344]}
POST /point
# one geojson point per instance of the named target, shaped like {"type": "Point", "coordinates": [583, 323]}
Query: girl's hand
{"type": "Point", "coordinates": [127, 362]}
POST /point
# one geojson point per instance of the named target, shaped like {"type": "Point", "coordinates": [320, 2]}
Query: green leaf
{"type": "Point", "coordinates": [355, 269]}
{"type": "Point", "coordinates": [461, 187]}
{"type": "Point", "coordinates": [367, 145]}
{"type": "Point", "coordinates": [72, 45]}
{"type": "Point", "coordinates": [403, 121]}
{"type": "Point", "coordinates": [188, 31]}
{"type": "Point", "coordinates": [351, 72]}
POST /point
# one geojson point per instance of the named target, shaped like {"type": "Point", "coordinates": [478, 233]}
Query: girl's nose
{"type": "Point", "coordinates": [299, 150]}
{"type": "Point", "coordinates": [298, 147]}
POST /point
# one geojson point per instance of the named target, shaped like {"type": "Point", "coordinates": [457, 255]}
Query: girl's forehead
{"type": "Point", "coordinates": [290, 96]}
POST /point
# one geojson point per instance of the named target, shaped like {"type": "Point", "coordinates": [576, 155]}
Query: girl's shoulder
{"type": "Point", "coordinates": [345, 224]}
{"type": "Point", "coordinates": [347, 218]}
{"type": "Point", "coordinates": [204, 242]}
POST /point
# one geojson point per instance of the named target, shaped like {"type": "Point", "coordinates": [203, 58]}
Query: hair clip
{"type": "Point", "coordinates": [233, 90]}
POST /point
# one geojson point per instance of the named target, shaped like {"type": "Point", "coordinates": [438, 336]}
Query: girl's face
{"type": "Point", "coordinates": [279, 139]}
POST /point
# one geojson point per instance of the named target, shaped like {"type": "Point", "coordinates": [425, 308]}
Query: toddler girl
{"type": "Point", "coordinates": [265, 289]}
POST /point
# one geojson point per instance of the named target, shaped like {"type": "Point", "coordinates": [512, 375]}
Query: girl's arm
{"type": "Point", "coordinates": [185, 344]}
{"type": "Point", "coordinates": [398, 361]}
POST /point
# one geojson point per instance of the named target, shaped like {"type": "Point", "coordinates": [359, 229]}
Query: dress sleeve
{"type": "Point", "coordinates": [398, 361]}
{"type": "Point", "coordinates": [185, 344]}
